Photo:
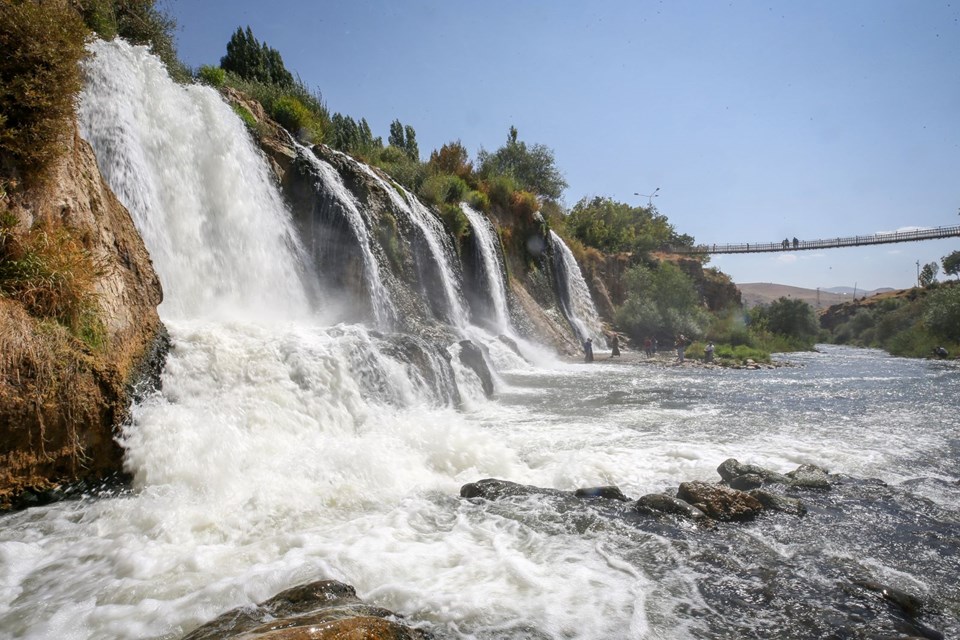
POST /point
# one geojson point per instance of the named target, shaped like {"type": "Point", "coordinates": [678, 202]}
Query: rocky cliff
{"type": "Point", "coordinates": [64, 392]}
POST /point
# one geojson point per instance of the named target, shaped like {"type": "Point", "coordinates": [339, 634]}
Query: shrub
{"type": "Point", "coordinates": [942, 315]}
{"type": "Point", "coordinates": [213, 76]}
{"type": "Point", "coordinates": [478, 200]}
{"type": "Point", "coordinates": [40, 78]}
{"type": "Point", "coordinates": [523, 205]}
{"type": "Point", "coordinates": [437, 189]}
{"type": "Point", "coordinates": [50, 273]}
{"type": "Point", "coordinates": [455, 221]}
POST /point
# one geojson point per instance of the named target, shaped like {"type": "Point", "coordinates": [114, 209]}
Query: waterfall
{"type": "Point", "coordinates": [489, 247]}
{"type": "Point", "coordinates": [575, 300]}
{"type": "Point", "coordinates": [333, 193]}
{"type": "Point", "coordinates": [442, 254]}
{"type": "Point", "coordinates": [179, 159]}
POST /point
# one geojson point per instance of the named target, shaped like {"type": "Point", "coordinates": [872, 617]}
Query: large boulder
{"type": "Point", "coordinates": [322, 610]}
{"type": "Point", "coordinates": [731, 469]}
{"type": "Point", "coordinates": [656, 503]}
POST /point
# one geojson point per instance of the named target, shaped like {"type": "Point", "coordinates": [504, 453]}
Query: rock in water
{"type": "Point", "coordinates": [322, 610]}
{"type": "Point", "coordinates": [809, 476]}
{"type": "Point", "coordinates": [609, 492]}
{"type": "Point", "coordinates": [719, 502]}
{"type": "Point", "coordinates": [662, 503]}
{"type": "Point", "coordinates": [471, 356]}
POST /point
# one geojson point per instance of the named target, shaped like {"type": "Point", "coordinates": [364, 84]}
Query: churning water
{"type": "Point", "coordinates": [282, 450]}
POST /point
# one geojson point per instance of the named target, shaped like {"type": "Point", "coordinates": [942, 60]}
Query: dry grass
{"type": "Point", "coordinates": [51, 274]}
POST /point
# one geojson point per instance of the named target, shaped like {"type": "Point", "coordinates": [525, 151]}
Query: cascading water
{"type": "Point", "coordinates": [442, 254]}
{"type": "Point", "coordinates": [219, 235]}
{"type": "Point", "coordinates": [332, 192]}
{"type": "Point", "coordinates": [575, 299]}
{"type": "Point", "coordinates": [489, 248]}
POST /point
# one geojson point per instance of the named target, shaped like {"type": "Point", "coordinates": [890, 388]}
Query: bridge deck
{"type": "Point", "coordinates": [830, 243]}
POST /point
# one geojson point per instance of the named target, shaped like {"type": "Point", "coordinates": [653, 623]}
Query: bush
{"type": "Point", "coordinates": [455, 221]}
{"type": "Point", "coordinates": [942, 315]}
{"type": "Point", "coordinates": [50, 273]}
{"type": "Point", "coordinates": [443, 188]}
{"type": "Point", "coordinates": [213, 76]}
{"type": "Point", "coordinates": [40, 77]}
{"type": "Point", "coordinates": [479, 201]}
{"type": "Point", "coordinates": [523, 205]}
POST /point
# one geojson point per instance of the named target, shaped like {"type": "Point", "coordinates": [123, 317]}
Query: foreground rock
{"type": "Point", "coordinates": [719, 502]}
{"type": "Point", "coordinates": [322, 610]}
{"type": "Point", "coordinates": [63, 395]}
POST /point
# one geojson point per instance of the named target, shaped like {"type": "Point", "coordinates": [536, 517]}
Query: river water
{"type": "Point", "coordinates": [267, 462]}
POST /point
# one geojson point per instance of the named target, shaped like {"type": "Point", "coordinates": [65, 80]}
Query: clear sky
{"type": "Point", "coordinates": [757, 120]}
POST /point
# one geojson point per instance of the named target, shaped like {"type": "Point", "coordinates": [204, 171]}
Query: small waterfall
{"type": "Point", "coordinates": [181, 161]}
{"type": "Point", "coordinates": [575, 300]}
{"type": "Point", "coordinates": [442, 253]}
{"type": "Point", "coordinates": [493, 270]}
{"type": "Point", "coordinates": [335, 200]}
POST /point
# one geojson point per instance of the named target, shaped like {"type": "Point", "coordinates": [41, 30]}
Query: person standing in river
{"type": "Point", "coordinates": [588, 350]}
{"type": "Point", "coordinates": [681, 345]}
{"type": "Point", "coordinates": [615, 345]}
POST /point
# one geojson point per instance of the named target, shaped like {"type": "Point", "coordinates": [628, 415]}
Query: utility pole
{"type": "Point", "coordinates": [918, 273]}
{"type": "Point", "coordinates": [818, 297]}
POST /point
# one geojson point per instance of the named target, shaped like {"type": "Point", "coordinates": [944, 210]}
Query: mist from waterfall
{"type": "Point", "coordinates": [575, 299]}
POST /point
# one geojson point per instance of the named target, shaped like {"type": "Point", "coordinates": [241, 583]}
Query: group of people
{"type": "Point", "coordinates": [588, 348]}
{"type": "Point", "coordinates": [786, 243]}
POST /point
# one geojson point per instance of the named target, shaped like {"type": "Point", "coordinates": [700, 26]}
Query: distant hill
{"type": "Point", "coordinates": [756, 293]}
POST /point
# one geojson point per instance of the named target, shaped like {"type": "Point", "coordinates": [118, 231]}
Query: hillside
{"type": "Point", "coordinates": [757, 293]}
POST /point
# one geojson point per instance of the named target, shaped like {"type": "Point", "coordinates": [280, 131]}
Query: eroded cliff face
{"type": "Point", "coordinates": [62, 399]}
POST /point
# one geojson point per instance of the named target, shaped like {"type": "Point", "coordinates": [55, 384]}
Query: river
{"type": "Point", "coordinates": [267, 462]}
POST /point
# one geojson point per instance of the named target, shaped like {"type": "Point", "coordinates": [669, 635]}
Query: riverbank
{"type": "Point", "coordinates": [669, 359]}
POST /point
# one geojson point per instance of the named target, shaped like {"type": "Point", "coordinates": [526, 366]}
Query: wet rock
{"type": "Point", "coordinates": [809, 476]}
{"type": "Point", "coordinates": [909, 604]}
{"type": "Point", "coordinates": [732, 468]}
{"type": "Point", "coordinates": [608, 492]}
{"type": "Point", "coordinates": [719, 502]}
{"type": "Point", "coordinates": [471, 356]}
{"type": "Point", "coordinates": [661, 503]}
{"type": "Point", "coordinates": [776, 502]}
{"type": "Point", "coordinates": [746, 482]}
{"type": "Point", "coordinates": [493, 489]}
{"type": "Point", "coordinates": [322, 610]}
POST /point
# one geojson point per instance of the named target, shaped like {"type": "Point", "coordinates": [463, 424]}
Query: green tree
{"type": "Point", "coordinates": [928, 274]}
{"type": "Point", "coordinates": [951, 264]}
{"type": "Point", "coordinates": [789, 317]}
{"type": "Point", "coordinates": [413, 151]}
{"type": "Point", "coordinates": [534, 168]}
{"type": "Point", "coordinates": [396, 137]}
{"type": "Point", "coordinates": [251, 60]}
{"type": "Point", "coordinates": [942, 315]}
{"type": "Point", "coordinates": [661, 301]}
{"type": "Point", "coordinates": [613, 226]}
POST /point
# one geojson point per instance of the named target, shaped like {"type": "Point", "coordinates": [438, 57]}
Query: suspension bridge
{"type": "Point", "coordinates": [828, 243]}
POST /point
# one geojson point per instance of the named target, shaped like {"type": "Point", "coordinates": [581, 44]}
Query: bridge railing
{"type": "Point", "coordinates": [829, 243]}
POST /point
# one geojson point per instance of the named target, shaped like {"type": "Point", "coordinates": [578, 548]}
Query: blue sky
{"type": "Point", "coordinates": [757, 120]}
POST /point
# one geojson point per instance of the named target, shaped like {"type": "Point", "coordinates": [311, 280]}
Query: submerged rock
{"type": "Point", "coordinates": [776, 502]}
{"type": "Point", "coordinates": [719, 502]}
{"type": "Point", "coordinates": [662, 503]}
{"type": "Point", "coordinates": [322, 610]}
{"type": "Point", "coordinates": [731, 469]}
{"type": "Point", "coordinates": [493, 489]}
{"type": "Point", "coordinates": [608, 492]}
